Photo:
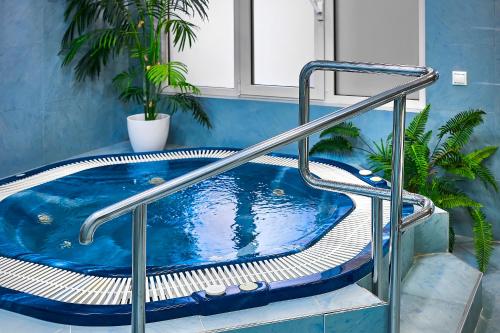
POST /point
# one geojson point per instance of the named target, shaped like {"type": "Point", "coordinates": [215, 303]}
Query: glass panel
{"type": "Point", "coordinates": [384, 31]}
{"type": "Point", "coordinates": [211, 59]}
{"type": "Point", "coordinates": [283, 40]}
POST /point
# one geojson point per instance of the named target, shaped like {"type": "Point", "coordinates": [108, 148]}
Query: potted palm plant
{"type": "Point", "coordinates": [100, 31]}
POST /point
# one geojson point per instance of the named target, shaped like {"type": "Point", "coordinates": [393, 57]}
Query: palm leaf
{"type": "Point", "coordinates": [98, 47]}
{"type": "Point", "coordinates": [483, 239]}
{"type": "Point", "coordinates": [135, 94]}
{"type": "Point", "coordinates": [80, 14]}
{"type": "Point", "coordinates": [182, 32]}
{"type": "Point", "coordinates": [188, 103]}
{"type": "Point", "coordinates": [124, 80]}
{"type": "Point", "coordinates": [172, 71]}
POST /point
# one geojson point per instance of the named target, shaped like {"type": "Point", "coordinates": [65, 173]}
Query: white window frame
{"type": "Point", "coordinates": [323, 92]}
{"type": "Point", "coordinates": [265, 91]}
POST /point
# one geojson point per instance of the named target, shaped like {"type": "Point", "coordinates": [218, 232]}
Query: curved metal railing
{"type": "Point", "coordinates": [138, 203]}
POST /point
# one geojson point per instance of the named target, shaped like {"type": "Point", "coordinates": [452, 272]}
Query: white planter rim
{"type": "Point", "coordinates": [141, 117]}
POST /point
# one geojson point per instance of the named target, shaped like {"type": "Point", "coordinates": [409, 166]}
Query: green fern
{"type": "Point", "coordinates": [338, 139]}
{"type": "Point", "coordinates": [418, 155]}
{"type": "Point", "coordinates": [344, 129]}
{"type": "Point", "coordinates": [483, 239]}
{"type": "Point", "coordinates": [455, 200]}
{"type": "Point", "coordinates": [437, 173]}
{"type": "Point", "coordinates": [462, 121]}
{"type": "Point", "coordinates": [416, 128]}
{"type": "Point", "coordinates": [336, 144]}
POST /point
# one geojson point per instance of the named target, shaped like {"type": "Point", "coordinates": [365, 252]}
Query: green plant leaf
{"type": "Point", "coordinates": [173, 71]}
{"type": "Point", "coordinates": [381, 159]}
{"type": "Point", "coordinates": [336, 144]}
{"type": "Point", "coordinates": [343, 129]}
{"type": "Point", "coordinates": [456, 200]}
{"type": "Point", "coordinates": [485, 175]}
{"type": "Point", "coordinates": [451, 238]}
{"type": "Point", "coordinates": [418, 155]}
{"type": "Point", "coordinates": [416, 129]}
{"type": "Point", "coordinates": [464, 120]}
{"type": "Point", "coordinates": [132, 93]}
{"type": "Point", "coordinates": [483, 239]}
{"type": "Point", "coordinates": [479, 155]}
{"type": "Point", "coordinates": [124, 80]}
{"type": "Point", "coordinates": [188, 103]}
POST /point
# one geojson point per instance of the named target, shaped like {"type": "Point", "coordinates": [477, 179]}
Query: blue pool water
{"type": "Point", "coordinates": [253, 210]}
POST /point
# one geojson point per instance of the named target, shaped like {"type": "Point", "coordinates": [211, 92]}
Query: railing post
{"type": "Point", "coordinates": [398, 132]}
{"type": "Point", "coordinates": [377, 251]}
{"type": "Point", "coordinates": [139, 222]}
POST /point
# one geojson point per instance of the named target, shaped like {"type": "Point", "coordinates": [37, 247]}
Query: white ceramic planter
{"type": "Point", "coordinates": [148, 135]}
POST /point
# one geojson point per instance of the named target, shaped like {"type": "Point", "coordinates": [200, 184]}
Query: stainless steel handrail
{"type": "Point", "coordinates": [424, 77]}
{"type": "Point", "coordinates": [395, 193]}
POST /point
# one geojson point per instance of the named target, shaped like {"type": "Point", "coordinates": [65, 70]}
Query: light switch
{"type": "Point", "coordinates": [459, 78]}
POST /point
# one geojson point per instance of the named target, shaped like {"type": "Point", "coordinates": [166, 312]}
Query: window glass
{"type": "Point", "coordinates": [283, 40]}
{"type": "Point", "coordinates": [383, 31]}
{"type": "Point", "coordinates": [211, 58]}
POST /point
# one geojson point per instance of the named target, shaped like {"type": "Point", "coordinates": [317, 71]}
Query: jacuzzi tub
{"type": "Point", "coordinates": [258, 225]}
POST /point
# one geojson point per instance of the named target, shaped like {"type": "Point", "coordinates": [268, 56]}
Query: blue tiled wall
{"type": "Point", "coordinates": [460, 35]}
{"type": "Point", "coordinates": [44, 115]}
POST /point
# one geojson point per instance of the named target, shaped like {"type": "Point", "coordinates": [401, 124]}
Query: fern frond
{"type": "Point", "coordinates": [463, 120]}
{"type": "Point", "coordinates": [344, 129]}
{"type": "Point", "coordinates": [485, 175]}
{"type": "Point", "coordinates": [418, 155]}
{"type": "Point", "coordinates": [483, 239]}
{"type": "Point", "coordinates": [455, 200]}
{"type": "Point", "coordinates": [479, 155]}
{"type": "Point", "coordinates": [416, 128]}
{"type": "Point", "coordinates": [381, 160]}
{"type": "Point", "coordinates": [336, 144]}
{"type": "Point", "coordinates": [426, 138]}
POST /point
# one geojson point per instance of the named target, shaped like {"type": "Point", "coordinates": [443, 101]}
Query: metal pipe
{"type": "Point", "coordinates": [398, 133]}
{"type": "Point", "coordinates": [426, 76]}
{"type": "Point", "coordinates": [377, 251]}
{"type": "Point", "coordinates": [139, 223]}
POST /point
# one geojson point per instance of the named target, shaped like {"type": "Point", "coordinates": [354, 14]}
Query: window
{"type": "Point", "coordinates": [210, 60]}
{"type": "Point", "coordinates": [256, 48]}
{"type": "Point", "coordinates": [383, 31]}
